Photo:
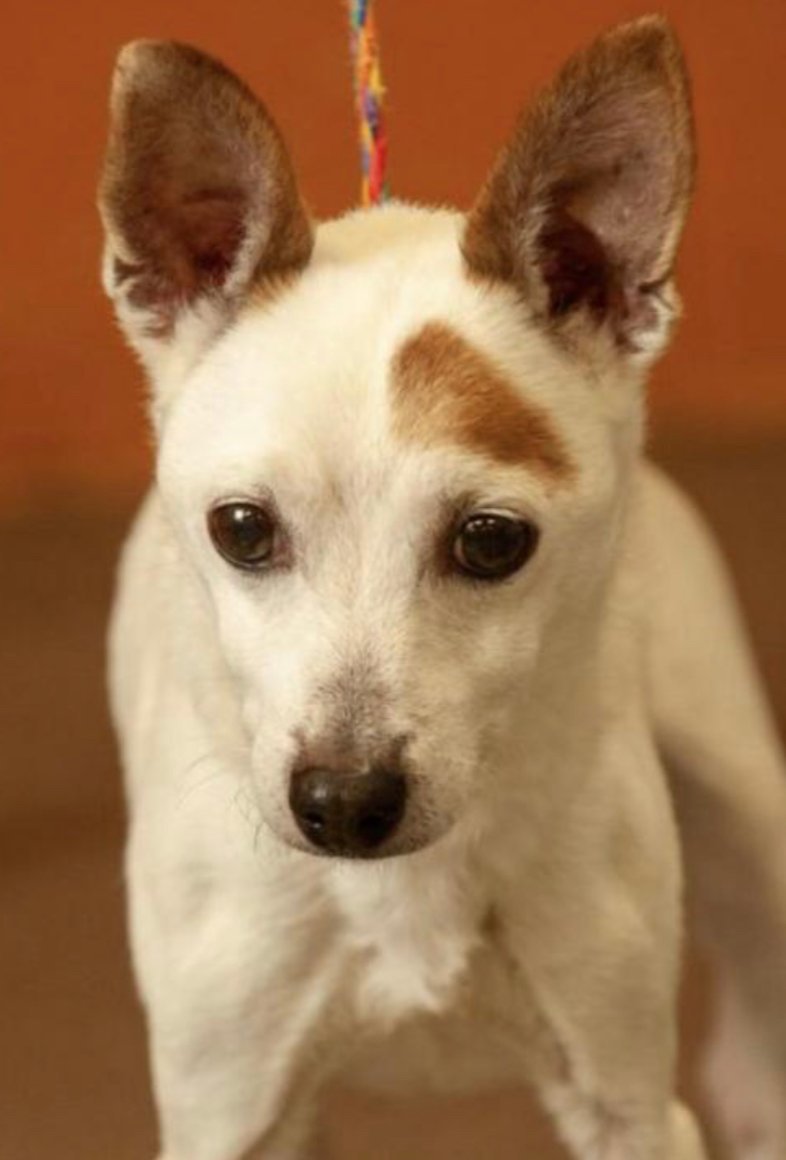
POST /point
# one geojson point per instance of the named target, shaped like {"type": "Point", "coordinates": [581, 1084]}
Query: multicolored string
{"type": "Point", "coordinates": [369, 93]}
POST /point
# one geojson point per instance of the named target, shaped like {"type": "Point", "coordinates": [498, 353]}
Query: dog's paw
{"type": "Point", "coordinates": [747, 1102]}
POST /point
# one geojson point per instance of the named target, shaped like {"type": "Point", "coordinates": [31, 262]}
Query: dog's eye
{"type": "Point", "coordinates": [243, 533]}
{"type": "Point", "coordinates": [491, 546]}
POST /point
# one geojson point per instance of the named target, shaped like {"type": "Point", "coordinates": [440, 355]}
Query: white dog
{"type": "Point", "coordinates": [407, 632]}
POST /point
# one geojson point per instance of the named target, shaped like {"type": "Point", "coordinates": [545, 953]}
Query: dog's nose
{"type": "Point", "coordinates": [348, 813]}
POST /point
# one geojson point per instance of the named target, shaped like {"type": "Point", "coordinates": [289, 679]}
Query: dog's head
{"type": "Point", "coordinates": [395, 447]}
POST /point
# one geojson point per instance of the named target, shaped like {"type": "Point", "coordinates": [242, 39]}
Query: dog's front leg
{"type": "Point", "coordinates": [222, 1111]}
{"type": "Point", "coordinates": [593, 957]}
{"type": "Point", "coordinates": [592, 1132]}
{"type": "Point", "coordinates": [606, 1078]}
{"type": "Point", "coordinates": [236, 986]}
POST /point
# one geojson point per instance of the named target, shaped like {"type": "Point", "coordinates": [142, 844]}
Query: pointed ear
{"type": "Point", "coordinates": [584, 209]}
{"type": "Point", "coordinates": [197, 197]}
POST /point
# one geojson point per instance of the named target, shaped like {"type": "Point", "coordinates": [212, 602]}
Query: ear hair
{"type": "Point", "coordinates": [583, 211]}
{"type": "Point", "coordinates": [198, 197]}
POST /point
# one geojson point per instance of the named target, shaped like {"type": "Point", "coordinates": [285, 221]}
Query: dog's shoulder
{"type": "Point", "coordinates": [670, 533]}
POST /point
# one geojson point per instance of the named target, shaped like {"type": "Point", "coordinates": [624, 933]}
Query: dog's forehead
{"type": "Point", "coordinates": [385, 343]}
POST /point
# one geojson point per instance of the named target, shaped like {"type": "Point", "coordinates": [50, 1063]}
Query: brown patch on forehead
{"type": "Point", "coordinates": [446, 391]}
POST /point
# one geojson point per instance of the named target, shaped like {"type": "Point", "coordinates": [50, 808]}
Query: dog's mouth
{"type": "Point", "coordinates": [352, 852]}
{"type": "Point", "coordinates": [410, 839]}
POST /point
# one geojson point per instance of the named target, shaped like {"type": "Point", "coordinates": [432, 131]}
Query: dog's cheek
{"type": "Point", "coordinates": [482, 656]}
{"type": "Point", "coordinates": [465, 684]}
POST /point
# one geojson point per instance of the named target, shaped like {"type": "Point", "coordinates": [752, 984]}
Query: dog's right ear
{"type": "Point", "coordinates": [198, 197]}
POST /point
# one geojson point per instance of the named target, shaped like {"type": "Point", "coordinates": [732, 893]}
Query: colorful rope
{"type": "Point", "coordinates": [369, 92]}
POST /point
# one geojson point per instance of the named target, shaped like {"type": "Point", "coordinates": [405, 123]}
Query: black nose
{"type": "Point", "coordinates": [347, 813]}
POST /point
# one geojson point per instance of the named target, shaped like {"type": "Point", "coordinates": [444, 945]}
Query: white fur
{"type": "Point", "coordinates": [535, 931]}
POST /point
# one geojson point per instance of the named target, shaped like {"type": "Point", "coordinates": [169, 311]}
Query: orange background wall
{"type": "Point", "coordinates": [70, 398]}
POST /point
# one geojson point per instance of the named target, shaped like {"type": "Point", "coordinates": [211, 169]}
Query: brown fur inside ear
{"type": "Point", "coordinates": [586, 204]}
{"type": "Point", "coordinates": [198, 194]}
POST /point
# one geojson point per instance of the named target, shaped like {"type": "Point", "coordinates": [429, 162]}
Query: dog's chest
{"type": "Point", "coordinates": [417, 941]}
{"type": "Point", "coordinates": [410, 963]}
{"type": "Point", "coordinates": [446, 1010]}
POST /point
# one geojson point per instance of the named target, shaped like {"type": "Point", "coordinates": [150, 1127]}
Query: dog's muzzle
{"type": "Point", "coordinates": [348, 814]}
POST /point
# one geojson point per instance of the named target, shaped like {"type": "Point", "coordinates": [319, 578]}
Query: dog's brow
{"type": "Point", "coordinates": [444, 390]}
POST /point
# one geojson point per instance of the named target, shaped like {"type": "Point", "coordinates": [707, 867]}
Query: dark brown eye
{"type": "Point", "coordinates": [491, 546]}
{"type": "Point", "coordinates": [243, 533]}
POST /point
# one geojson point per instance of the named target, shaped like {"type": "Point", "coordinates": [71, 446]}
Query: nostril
{"type": "Point", "coordinates": [313, 819]}
{"type": "Point", "coordinates": [381, 809]}
{"type": "Point", "coordinates": [372, 829]}
{"type": "Point", "coordinates": [311, 802]}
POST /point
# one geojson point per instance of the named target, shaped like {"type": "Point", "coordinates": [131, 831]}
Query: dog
{"type": "Point", "coordinates": [426, 683]}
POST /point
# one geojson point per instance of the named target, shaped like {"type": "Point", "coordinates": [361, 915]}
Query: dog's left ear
{"type": "Point", "coordinates": [584, 209]}
{"type": "Point", "coordinates": [198, 197]}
